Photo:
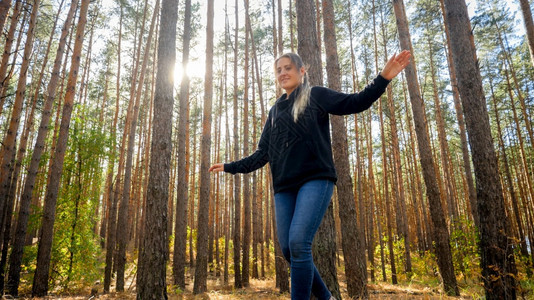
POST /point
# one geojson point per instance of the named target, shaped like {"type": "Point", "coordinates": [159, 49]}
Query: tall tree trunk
{"type": "Point", "coordinates": [256, 196]}
{"type": "Point", "coordinates": [280, 35]}
{"type": "Point", "coordinates": [180, 230]}
{"type": "Point", "coordinates": [497, 259]}
{"type": "Point", "coordinates": [10, 38]}
{"type": "Point", "coordinates": [397, 185]}
{"type": "Point", "coordinates": [227, 154]}
{"type": "Point", "coordinates": [440, 231]}
{"type": "Point", "coordinates": [246, 177]}
{"type": "Point", "coordinates": [238, 283]}
{"type": "Point", "coordinates": [443, 144]}
{"type": "Point", "coordinates": [10, 139]}
{"type": "Point", "coordinates": [200, 285]}
{"type": "Point", "coordinates": [291, 26]}
{"type": "Point", "coordinates": [529, 26]}
{"type": "Point", "coordinates": [21, 155]}
{"type": "Point", "coordinates": [122, 228]}
{"type": "Point", "coordinates": [192, 204]}
{"type": "Point", "coordinates": [507, 172]}
{"type": "Point", "coordinates": [5, 5]}
{"type": "Point", "coordinates": [324, 247]}
{"type": "Point", "coordinates": [352, 234]}
{"type": "Point", "coordinates": [461, 124]}
{"type": "Point", "coordinates": [111, 234]}
{"type": "Point", "coordinates": [40, 279]}
{"type": "Point", "coordinates": [154, 247]}
{"type": "Point", "coordinates": [109, 178]}
{"type": "Point", "coordinates": [111, 219]}
{"type": "Point", "coordinates": [281, 266]}
{"type": "Point", "coordinates": [387, 195]}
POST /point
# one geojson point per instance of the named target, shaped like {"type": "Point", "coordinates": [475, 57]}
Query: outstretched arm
{"type": "Point", "coordinates": [396, 64]}
{"type": "Point", "coordinates": [252, 162]}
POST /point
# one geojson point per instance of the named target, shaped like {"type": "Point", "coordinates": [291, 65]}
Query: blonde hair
{"type": "Point", "coordinates": [303, 98]}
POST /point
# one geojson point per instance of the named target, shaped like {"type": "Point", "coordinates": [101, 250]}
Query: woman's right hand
{"type": "Point", "coordinates": [217, 168]}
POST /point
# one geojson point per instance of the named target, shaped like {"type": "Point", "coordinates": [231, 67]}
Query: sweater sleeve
{"type": "Point", "coordinates": [338, 103]}
{"type": "Point", "coordinates": [257, 159]}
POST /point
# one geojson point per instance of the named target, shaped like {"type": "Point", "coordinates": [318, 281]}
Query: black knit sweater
{"type": "Point", "coordinates": [302, 151]}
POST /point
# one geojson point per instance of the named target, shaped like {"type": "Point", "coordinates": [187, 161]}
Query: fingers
{"type": "Point", "coordinates": [403, 59]}
{"type": "Point", "coordinates": [393, 57]}
{"type": "Point", "coordinates": [216, 168]}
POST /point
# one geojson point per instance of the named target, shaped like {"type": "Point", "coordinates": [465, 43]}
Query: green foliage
{"type": "Point", "coordinates": [27, 268]}
{"type": "Point", "coordinates": [464, 246]}
{"type": "Point", "coordinates": [76, 259]}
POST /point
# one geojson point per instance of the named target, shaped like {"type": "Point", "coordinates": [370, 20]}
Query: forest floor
{"type": "Point", "coordinates": [265, 290]}
{"type": "Point", "coordinates": [416, 288]}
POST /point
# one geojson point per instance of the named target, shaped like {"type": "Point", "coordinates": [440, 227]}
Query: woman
{"type": "Point", "coordinates": [296, 143]}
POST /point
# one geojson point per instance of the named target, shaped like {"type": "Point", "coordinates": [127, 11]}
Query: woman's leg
{"type": "Point", "coordinates": [284, 208]}
{"type": "Point", "coordinates": [298, 216]}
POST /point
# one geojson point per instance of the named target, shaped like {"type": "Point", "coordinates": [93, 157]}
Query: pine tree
{"type": "Point", "coordinates": [151, 278]}
{"type": "Point", "coordinates": [200, 285]}
{"type": "Point", "coordinates": [440, 231]}
{"type": "Point", "coordinates": [352, 233]}
{"type": "Point", "coordinates": [497, 259]}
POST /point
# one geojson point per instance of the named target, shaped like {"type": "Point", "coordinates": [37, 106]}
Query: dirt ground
{"type": "Point", "coordinates": [262, 290]}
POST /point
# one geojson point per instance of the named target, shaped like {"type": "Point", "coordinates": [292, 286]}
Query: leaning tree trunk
{"type": "Point", "coordinates": [40, 279]}
{"type": "Point", "coordinates": [22, 153]}
{"type": "Point", "coordinates": [529, 26]}
{"type": "Point", "coordinates": [10, 139]}
{"type": "Point", "coordinates": [324, 247]}
{"type": "Point", "coordinates": [352, 233]}
{"type": "Point", "coordinates": [10, 38]}
{"type": "Point", "coordinates": [440, 231]}
{"type": "Point", "coordinates": [497, 258]}
{"type": "Point", "coordinates": [5, 5]}
{"type": "Point", "coordinates": [200, 284]}
{"type": "Point", "coordinates": [471, 191]}
{"type": "Point", "coordinates": [153, 251]}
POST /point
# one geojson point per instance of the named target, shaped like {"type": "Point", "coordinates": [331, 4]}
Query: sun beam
{"type": "Point", "coordinates": [194, 69]}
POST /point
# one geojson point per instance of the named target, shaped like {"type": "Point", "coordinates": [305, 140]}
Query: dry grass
{"type": "Point", "coordinates": [266, 290]}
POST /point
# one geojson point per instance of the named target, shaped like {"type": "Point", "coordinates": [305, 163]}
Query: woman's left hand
{"type": "Point", "coordinates": [396, 64]}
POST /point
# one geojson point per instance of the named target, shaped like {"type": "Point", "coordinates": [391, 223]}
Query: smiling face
{"type": "Point", "coordinates": [288, 75]}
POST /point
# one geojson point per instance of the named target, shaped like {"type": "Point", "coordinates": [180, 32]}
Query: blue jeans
{"type": "Point", "coordinates": [298, 216]}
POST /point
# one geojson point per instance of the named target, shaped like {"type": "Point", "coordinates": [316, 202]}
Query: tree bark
{"type": "Point", "coordinates": [352, 233]}
{"type": "Point", "coordinates": [151, 278]}
{"type": "Point", "coordinates": [10, 38]}
{"type": "Point", "coordinates": [324, 247]}
{"type": "Point", "coordinates": [529, 26]}
{"type": "Point", "coordinates": [180, 230]}
{"type": "Point", "coordinates": [461, 124]}
{"type": "Point", "coordinates": [238, 283]}
{"type": "Point", "coordinates": [440, 231]}
{"type": "Point", "coordinates": [21, 155]}
{"type": "Point", "coordinates": [497, 259]}
{"type": "Point", "coordinates": [200, 285]}
{"type": "Point", "coordinates": [5, 5]}
{"type": "Point", "coordinates": [10, 139]}
{"type": "Point", "coordinates": [110, 224]}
